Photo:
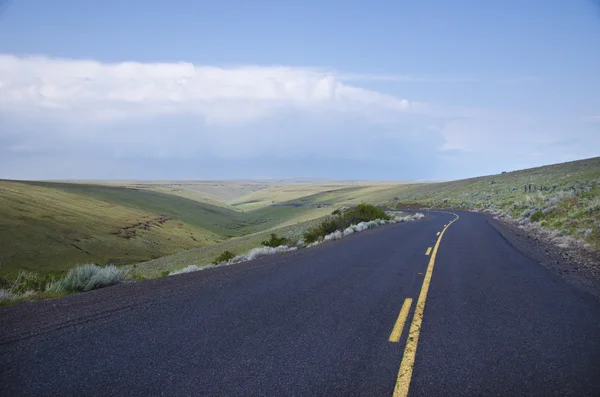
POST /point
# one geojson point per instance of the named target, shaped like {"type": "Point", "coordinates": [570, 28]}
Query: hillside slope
{"type": "Point", "coordinates": [563, 199]}
{"type": "Point", "coordinates": [51, 226]}
{"type": "Point", "coordinates": [43, 228]}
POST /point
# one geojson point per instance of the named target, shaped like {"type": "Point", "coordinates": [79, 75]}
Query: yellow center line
{"type": "Point", "coordinates": [410, 350]}
{"type": "Point", "coordinates": [399, 326]}
{"type": "Point", "coordinates": [428, 251]}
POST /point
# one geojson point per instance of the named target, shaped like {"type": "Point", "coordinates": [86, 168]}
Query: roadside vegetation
{"type": "Point", "coordinates": [338, 225]}
{"type": "Point", "coordinates": [561, 201]}
{"type": "Point", "coordinates": [275, 241]}
{"type": "Point", "coordinates": [224, 257]}
{"type": "Point", "coordinates": [343, 219]}
{"type": "Point", "coordinates": [28, 286]}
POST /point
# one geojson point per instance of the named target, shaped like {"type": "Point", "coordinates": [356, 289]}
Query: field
{"type": "Point", "coordinates": [49, 227]}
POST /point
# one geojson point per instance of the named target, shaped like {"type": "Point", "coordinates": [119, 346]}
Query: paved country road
{"type": "Point", "coordinates": [318, 322]}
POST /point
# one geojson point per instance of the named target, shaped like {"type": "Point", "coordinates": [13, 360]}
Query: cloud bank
{"type": "Point", "coordinates": [93, 91]}
{"type": "Point", "coordinates": [62, 118]}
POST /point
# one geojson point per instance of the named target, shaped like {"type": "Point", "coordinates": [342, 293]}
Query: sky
{"type": "Point", "coordinates": [386, 90]}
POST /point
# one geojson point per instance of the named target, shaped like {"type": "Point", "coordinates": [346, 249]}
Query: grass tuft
{"type": "Point", "coordinates": [87, 277]}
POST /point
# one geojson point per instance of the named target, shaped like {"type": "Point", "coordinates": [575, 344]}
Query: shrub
{"type": "Point", "coordinates": [310, 236]}
{"type": "Point", "coordinates": [527, 213]}
{"type": "Point", "coordinates": [275, 241]}
{"type": "Point", "coordinates": [224, 257]}
{"type": "Point", "coordinates": [364, 213]}
{"type": "Point", "coordinates": [255, 253]}
{"type": "Point", "coordinates": [349, 230]}
{"type": "Point", "coordinates": [330, 225]}
{"type": "Point", "coordinates": [187, 269]}
{"type": "Point", "coordinates": [536, 216]}
{"type": "Point", "coordinates": [6, 296]}
{"type": "Point", "coordinates": [324, 228]}
{"type": "Point", "coordinates": [334, 236]}
{"type": "Point", "coordinates": [86, 278]}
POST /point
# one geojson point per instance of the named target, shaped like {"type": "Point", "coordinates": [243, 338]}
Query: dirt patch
{"type": "Point", "coordinates": [130, 231]}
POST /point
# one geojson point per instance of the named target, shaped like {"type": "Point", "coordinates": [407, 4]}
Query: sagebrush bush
{"type": "Point", "coordinates": [255, 253]}
{"type": "Point", "coordinates": [224, 257]}
{"type": "Point", "coordinates": [87, 277]}
{"type": "Point", "coordinates": [6, 296]}
{"type": "Point", "coordinates": [188, 269]}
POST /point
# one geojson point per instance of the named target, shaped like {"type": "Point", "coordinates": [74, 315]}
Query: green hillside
{"type": "Point", "coordinates": [563, 199]}
{"type": "Point", "coordinates": [51, 226]}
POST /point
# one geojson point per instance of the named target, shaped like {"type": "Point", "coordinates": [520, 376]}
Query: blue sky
{"type": "Point", "coordinates": [271, 89]}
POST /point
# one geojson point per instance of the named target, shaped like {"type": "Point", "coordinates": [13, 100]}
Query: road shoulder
{"type": "Point", "coordinates": [578, 269]}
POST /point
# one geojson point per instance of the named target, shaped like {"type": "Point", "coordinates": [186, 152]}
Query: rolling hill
{"type": "Point", "coordinates": [49, 227]}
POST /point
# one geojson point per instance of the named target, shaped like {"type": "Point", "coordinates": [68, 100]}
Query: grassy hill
{"type": "Point", "coordinates": [50, 226]}
{"type": "Point", "coordinates": [313, 195]}
{"type": "Point", "coordinates": [563, 199]}
{"type": "Point", "coordinates": [205, 255]}
{"type": "Point", "coordinates": [219, 193]}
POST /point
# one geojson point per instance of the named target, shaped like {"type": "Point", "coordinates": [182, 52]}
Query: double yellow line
{"type": "Point", "coordinates": [410, 350]}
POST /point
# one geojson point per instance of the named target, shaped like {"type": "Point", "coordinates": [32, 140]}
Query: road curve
{"type": "Point", "coordinates": [333, 320]}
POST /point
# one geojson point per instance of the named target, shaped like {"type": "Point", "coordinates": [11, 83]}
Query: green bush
{"type": "Point", "coordinates": [310, 236]}
{"type": "Point", "coordinates": [361, 213]}
{"type": "Point", "coordinates": [330, 225]}
{"type": "Point", "coordinates": [275, 241]}
{"type": "Point", "coordinates": [364, 213]}
{"type": "Point", "coordinates": [536, 216]}
{"type": "Point", "coordinates": [224, 257]}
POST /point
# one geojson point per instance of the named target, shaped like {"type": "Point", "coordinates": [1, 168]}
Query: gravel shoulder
{"type": "Point", "coordinates": [577, 266]}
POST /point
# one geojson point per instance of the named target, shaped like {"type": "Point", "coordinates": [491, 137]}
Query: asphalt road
{"type": "Point", "coordinates": [317, 322]}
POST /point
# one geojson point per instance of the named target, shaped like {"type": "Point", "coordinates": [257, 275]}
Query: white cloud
{"type": "Point", "coordinates": [401, 78]}
{"type": "Point", "coordinates": [81, 116]}
{"type": "Point", "coordinates": [95, 91]}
